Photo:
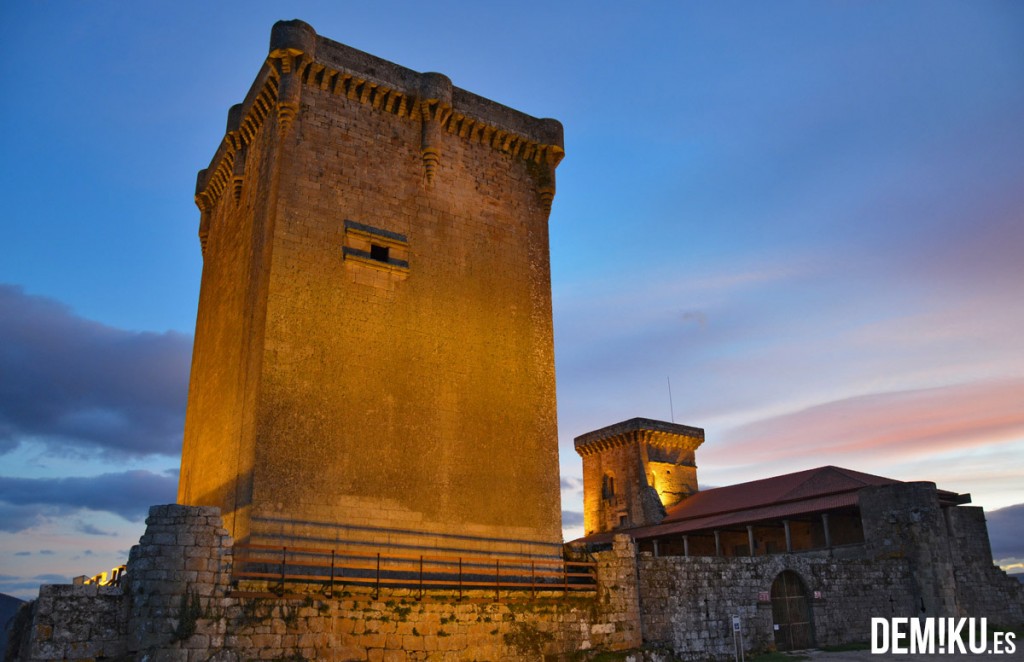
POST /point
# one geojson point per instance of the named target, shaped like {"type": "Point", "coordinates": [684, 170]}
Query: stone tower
{"type": "Point", "coordinates": [373, 360]}
{"type": "Point", "coordinates": [634, 470]}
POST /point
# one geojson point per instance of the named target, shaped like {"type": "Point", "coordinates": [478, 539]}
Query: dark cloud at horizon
{"type": "Point", "coordinates": [14, 518]}
{"type": "Point", "coordinates": [571, 518]}
{"type": "Point", "coordinates": [90, 530]}
{"type": "Point", "coordinates": [28, 502]}
{"type": "Point", "coordinates": [80, 387]}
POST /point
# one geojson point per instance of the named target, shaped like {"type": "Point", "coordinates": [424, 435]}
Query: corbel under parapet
{"type": "Point", "coordinates": [546, 195]}
{"type": "Point", "coordinates": [238, 173]}
{"type": "Point", "coordinates": [236, 141]}
{"type": "Point", "coordinates": [292, 46]}
{"type": "Point", "coordinates": [205, 205]}
{"type": "Point", "coordinates": [435, 109]}
{"type": "Point", "coordinates": [546, 160]}
{"type": "Point", "coordinates": [289, 96]}
{"type": "Point", "coordinates": [232, 132]}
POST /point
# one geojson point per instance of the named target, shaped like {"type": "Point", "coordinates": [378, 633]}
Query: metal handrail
{"type": "Point", "coordinates": [418, 572]}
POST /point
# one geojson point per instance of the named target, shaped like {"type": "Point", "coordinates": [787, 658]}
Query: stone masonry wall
{"type": "Point", "coordinates": [179, 571]}
{"type": "Point", "coordinates": [982, 589]}
{"type": "Point", "coordinates": [687, 603]}
{"type": "Point", "coordinates": [77, 622]}
{"type": "Point", "coordinates": [176, 605]}
{"type": "Point", "coordinates": [905, 520]}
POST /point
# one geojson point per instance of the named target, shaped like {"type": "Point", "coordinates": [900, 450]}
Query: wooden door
{"type": "Point", "coordinates": [791, 613]}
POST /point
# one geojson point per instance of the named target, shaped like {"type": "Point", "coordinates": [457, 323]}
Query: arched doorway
{"type": "Point", "coordinates": [791, 613]}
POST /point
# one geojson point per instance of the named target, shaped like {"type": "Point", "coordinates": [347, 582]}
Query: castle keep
{"type": "Point", "coordinates": [373, 360]}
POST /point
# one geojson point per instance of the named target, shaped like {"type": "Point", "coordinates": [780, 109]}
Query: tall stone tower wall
{"type": "Point", "coordinates": [374, 358]}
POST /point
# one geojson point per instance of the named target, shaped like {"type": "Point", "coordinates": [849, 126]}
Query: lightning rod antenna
{"type": "Point", "coordinates": [671, 409]}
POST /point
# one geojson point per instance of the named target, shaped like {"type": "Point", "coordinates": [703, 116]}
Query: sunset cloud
{"type": "Point", "coordinates": [899, 425]}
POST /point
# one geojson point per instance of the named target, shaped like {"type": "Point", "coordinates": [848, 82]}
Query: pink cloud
{"type": "Point", "coordinates": [897, 426]}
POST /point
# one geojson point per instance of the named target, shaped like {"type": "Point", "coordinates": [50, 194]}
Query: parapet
{"type": "Point", "coordinates": [296, 48]}
{"type": "Point", "coordinates": [650, 431]}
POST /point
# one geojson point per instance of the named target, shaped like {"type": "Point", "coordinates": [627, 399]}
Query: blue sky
{"type": "Point", "coordinates": [810, 216]}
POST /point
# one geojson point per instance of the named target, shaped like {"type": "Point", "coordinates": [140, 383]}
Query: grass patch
{"type": "Point", "coordinates": [776, 656]}
{"type": "Point", "coordinates": [609, 656]}
{"type": "Point", "coordinates": [852, 646]}
{"type": "Point", "coordinates": [619, 656]}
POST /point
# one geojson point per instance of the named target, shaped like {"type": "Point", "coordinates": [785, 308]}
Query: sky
{"type": "Point", "coordinates": [808, 217]}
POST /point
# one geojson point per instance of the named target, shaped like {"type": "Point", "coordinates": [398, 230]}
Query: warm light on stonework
{"type": "Point", "coordinates": [355, 310]}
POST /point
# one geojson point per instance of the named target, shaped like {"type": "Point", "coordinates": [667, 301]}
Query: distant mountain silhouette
{"type": "Point", "coordinates": [8, 606]}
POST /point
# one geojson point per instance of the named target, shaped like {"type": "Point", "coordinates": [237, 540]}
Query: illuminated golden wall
{"type": "Point", "coordinates": [631, 467]}
{"type": "Point", "coordinates": [400, 395]}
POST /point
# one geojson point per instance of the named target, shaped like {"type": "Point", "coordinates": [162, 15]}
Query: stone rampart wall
{"type": "Point", "coordinates": [177, 604]}
{"type": "Point", "coordinates": [687, 603]}
{"type": "Point", "coordinates": [77, 622]}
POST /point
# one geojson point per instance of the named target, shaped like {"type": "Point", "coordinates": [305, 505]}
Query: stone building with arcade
{"type": "Point", "coordinates": [805, 558]}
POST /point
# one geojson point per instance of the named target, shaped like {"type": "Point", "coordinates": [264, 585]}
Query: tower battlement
{"type": "Point", "coordinates": [296, 51]}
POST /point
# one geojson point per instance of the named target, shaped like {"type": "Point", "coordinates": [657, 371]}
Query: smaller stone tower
{"type": "Point", "coordinates": [634, 470]}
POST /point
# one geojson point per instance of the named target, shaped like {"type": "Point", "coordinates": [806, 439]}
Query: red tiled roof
{"type": "Point", "coordinates": [814, 490]}
{"type": "Point", "coordinates": [773, 491]}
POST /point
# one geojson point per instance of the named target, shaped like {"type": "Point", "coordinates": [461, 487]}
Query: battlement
{"type": "Point", "coordinates": [650, 431]}
{"type": "Point", "coordinates": [431, 98]}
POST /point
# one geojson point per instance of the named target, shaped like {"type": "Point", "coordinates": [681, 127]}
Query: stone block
{"type": "Point", "coordinates": [162, 539]}
{"type": "Point", "coordinates": [348, 654]}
